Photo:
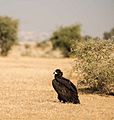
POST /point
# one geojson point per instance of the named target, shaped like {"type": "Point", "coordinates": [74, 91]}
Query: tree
{"type": "Point", "coordinates": [8, 34]}
{"type": "Point", "coordinates": [109, 35]}
{"type": "Point", "coordinates": [87, 37]}
{"type": "Point", "coordinates": [112, 32]}
{"type": "Point", "coordinates": [106, 35]}
{"type": "Point", "coordinates": [63, 37]}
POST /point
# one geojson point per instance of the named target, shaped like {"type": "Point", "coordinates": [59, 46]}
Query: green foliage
{"type": "Point", "coordinates": [27, 46]}
{"type": "Point", "coordinates": [8, 34]}
{"type": "Point", "coordinates": [42, 44]}
{"type": "Point", "coordinates": [109, 35]}
{"type": "Point", "coordinates": [63, 38]}
{"type": "Point", "coordinates": [106, 35]}
{"type": "Point", "coordinates": [87, 37]}
{"type": "Point", "coordinates": [95, 60]}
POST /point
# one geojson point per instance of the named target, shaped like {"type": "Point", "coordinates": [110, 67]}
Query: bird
{"type": "Point", "coordinates": [66, 90]}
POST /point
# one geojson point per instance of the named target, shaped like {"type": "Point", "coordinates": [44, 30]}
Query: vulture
{"type": "Point", "coordinates": [66, 90]}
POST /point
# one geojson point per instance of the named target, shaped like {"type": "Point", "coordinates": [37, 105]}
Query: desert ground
{"type": "Point", "coordinates": [26, 92]}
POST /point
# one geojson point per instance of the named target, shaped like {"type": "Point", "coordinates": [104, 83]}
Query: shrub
{"type": "Point", "coordinates": [27, 46]}
{"type": "Point", "coordinates": [8, 34]}
{"type": "Point", "coordinates": [95, 60]}
{"type": "Point", "coordinates": [109, 35]}
{"type": "Point", "coordinates": [62, 38]}
{"type": "Point", "coordinates": [43, 44]}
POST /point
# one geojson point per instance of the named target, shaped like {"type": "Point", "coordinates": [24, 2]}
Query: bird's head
{"type": "Point", "coordinates": [58, 73]}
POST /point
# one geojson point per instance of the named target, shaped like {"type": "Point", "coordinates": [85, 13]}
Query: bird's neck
{"type": "Point", "coordinates": [57, 77]}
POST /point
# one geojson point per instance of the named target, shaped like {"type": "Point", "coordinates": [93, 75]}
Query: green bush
{"type": "Point", "coordinates": [109, 35]}
{"type": "Point", "coordinates": [8, 34]}
{"type": "Point", "coordinates": [63, 37]}
{"type": "Point", "coordinates": [95, 61]}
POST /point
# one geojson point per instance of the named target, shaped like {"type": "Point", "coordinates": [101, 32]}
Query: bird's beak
{"type": "Point", "coordinates": [55, 73]}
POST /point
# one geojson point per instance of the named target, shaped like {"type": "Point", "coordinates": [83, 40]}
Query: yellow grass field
{"type": "Point", "coordinates": [26, 93]}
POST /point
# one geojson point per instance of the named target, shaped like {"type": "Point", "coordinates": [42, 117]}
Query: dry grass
{"type": "Point", "coordinates": [32, 49]}
{"type": "Point", "coordinates": [26, 93]}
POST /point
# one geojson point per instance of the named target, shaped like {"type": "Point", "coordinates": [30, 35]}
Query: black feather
{"type": "Point", "coordinates": [65, 89]}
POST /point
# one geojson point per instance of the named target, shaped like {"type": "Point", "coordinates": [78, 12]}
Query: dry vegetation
{"type": "Point", "coordinates": [33, 49]}
{"type": "Point", "coordinates": [26, 93]}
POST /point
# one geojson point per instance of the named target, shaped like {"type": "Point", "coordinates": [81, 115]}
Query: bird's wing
{"type": "Point", "coordinates": [61, 89]}
{"type": "Point", "coordinates": [58, 86]}
{"type": "Point", "coordinates": [67, 83]}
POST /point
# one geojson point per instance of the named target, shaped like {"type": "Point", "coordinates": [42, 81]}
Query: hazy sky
{"type": "Point", "coordinates": [96, 16]}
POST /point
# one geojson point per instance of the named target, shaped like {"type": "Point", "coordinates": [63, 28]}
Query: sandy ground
{"type": "Point", "coordinates": [26, 93]}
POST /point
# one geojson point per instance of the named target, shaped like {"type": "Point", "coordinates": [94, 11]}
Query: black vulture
{"type": "Point", "coordinates": [65, 89]}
